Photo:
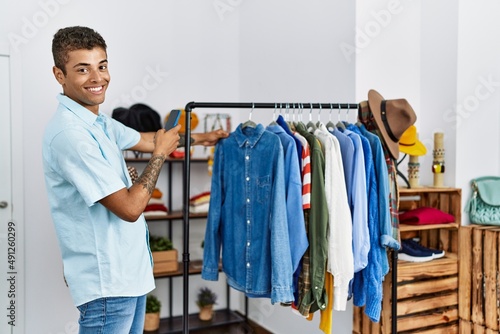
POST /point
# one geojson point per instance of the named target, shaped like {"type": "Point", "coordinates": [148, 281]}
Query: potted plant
{"type": "Point", "coordinates": [152, 319]}
{"type": "Point", "coordinates": [206, 300]}
{"type": "Point", "coordinates": [164, 255]}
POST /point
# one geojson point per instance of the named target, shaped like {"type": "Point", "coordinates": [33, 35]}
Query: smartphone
{"type": "Point", "coordinates": [173, 119]}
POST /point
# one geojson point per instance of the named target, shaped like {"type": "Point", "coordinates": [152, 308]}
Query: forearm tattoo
{"type": "Point", "coordinates": [150, 175]}
{"type": "Point", "coordinates": [182, 140]}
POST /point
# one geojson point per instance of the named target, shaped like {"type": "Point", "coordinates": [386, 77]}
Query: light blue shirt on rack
{"type": "Point", "coordinates": [103, 255]}
{"type": "Point", "coordinates": [359, 204]}
{"type": "Point", "coordinates": [293, 192]}
{"type": "Point", "coordinates": [356, 195]}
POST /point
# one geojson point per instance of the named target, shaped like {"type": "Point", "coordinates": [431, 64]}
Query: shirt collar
{"type": "Point", "coordinates": [301, 127]}
{"type": "Point", "coordinates": [86, 115]}
{"type": "Point", "coordinates": [248, 134]}
{"type": "Point", "coordinates": [275, 129]}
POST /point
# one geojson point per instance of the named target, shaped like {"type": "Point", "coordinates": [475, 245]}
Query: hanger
{"type": "Point", "coordinates": [273, 121]}
{"type": "Point", "coordinates": [339, 124]}
{"type": "Point", "coordinates": [300, 118]}
{"type": "Point", "coordinates": [300, 113]}
{"type": "Point", "coordinates": [249, 123]}
{"type": "Point", "coordinates": [330, 126]}
{"type": "Point", "coordinates": [310, 125]}
{"type": "Point", "coordinates": [318, 122]}
{"type": "Point", "coordinates": [293, 123]}
{"type": "Point", "coordinates": [346, 122]}
{"type": "Point", "coordinates": [287, 113]}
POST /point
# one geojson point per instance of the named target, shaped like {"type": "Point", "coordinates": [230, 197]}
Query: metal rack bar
{"type": "Point", "coordinates": [267, 105]}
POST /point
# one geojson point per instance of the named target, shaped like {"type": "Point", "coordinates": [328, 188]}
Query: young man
{"type": "Point", "coordinates": [97, 211]}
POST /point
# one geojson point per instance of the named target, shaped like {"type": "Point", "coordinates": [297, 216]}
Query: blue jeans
{"type": "Point", "coordinates": [113, 315]}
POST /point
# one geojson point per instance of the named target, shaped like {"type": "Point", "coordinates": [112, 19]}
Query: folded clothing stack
{"type": "Point", "coordinates": [412, 251]}
{"type": "Point", "coordinates": [155, 205]}
{"type": "Point", "coordinates": [425, 216]}
{"type": "Point", "coordinates": [199, 203]}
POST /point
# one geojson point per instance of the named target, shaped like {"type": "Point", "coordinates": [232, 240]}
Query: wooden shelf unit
{"type": "Point", "coordinates": [427, 292]}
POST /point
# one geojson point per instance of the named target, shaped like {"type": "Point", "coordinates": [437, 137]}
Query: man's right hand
{"type": "Point", "coordinates": [166, 142]}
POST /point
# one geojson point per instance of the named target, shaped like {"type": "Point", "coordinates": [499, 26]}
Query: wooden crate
{"type": "Point", "coordinates": [479, 291]}
{"type": "Point", "coordinates": [467, 327]}
{"type": "Point", "coordinates": [427, 300]}
{"type": "Point", "coordinates": [165, 261]}
{"type": "Point", "coordinates": [427, 292]}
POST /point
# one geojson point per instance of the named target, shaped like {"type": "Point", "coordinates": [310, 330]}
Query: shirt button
{"type": "Point", "coordinates": [248, 179]}
{"type": "Point", "coordinates": [248, 200]}
{"type": "Point", "coordinates": [248, 264]}
{"type": "Point", "coordinates": [247, 157]}
{"type": "Point", "coordinates": [248, 244]}
{"type": "Point", "coordinates": [316, 288]}
{"type": "Point", "coordinates": [248, 221]}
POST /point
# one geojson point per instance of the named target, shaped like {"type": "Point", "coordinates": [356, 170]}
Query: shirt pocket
{"type": "Point", "coordinates": [263, 189]}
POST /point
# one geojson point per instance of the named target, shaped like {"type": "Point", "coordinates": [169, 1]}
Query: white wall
{"type": "Point", "coordinates": [478, 93]}
{"type": "Point", "coordinates": [438, 84]}
{"type": "Point", "coordinates": [436, 55]}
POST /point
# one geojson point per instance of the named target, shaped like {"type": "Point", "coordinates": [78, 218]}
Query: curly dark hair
{"type": "Point", "coordinates": [71, 39]}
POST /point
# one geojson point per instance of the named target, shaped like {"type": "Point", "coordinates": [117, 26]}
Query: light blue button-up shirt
{"type": "Point", "coordinates": [103, 255]}
{"type": "Point", "coordinates": [359, 208]}
{"type": "Point", "coordinates": [354, 172]}
{"type": "Point", "coordinates": [247, 216]}
{"type": "Point", "coordinates": [293, 192]}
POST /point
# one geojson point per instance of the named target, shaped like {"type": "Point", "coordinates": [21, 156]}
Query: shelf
{"type": "Point", "coordinates": [411, 271]}
{"type": "Point", "coordinates": [175, 215]}
{"type": "Point", "coordinates": [403, 191]}
{"type": "Point", "coordinates": [194, 268]}
{"type": "Point", "coordinates": [146, 159]}
{"type": "Point", "coordinates": [221, 318]}
{"type": "Point", "coordinates": [411, 228]}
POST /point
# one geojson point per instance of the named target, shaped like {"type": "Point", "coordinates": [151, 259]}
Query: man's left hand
{"type": "Point", "coordinates": [209, 138]}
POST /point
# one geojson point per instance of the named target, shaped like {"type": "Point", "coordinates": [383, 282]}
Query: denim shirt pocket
{"type": "Point", "coordinates": [263, 188]}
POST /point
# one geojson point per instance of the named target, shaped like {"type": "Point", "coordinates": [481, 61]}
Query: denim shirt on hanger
{"type": "Point", "coordinates": [247, 216]}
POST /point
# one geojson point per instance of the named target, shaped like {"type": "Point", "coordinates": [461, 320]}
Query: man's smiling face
{"type": "Point", "coordinates": [86, 78]}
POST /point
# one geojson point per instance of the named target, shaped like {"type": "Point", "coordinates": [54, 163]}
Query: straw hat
{"type": "Point", "coordinates": [409, 143]}
{"type": "Point", "coordinates": [392, 117]}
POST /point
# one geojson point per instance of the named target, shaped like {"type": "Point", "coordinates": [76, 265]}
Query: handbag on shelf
{"type": "Point", "coordinates": [484, 205]}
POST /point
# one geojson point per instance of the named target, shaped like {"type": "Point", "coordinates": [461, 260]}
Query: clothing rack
{"type": "Point", "coordinates": [186, 184]}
